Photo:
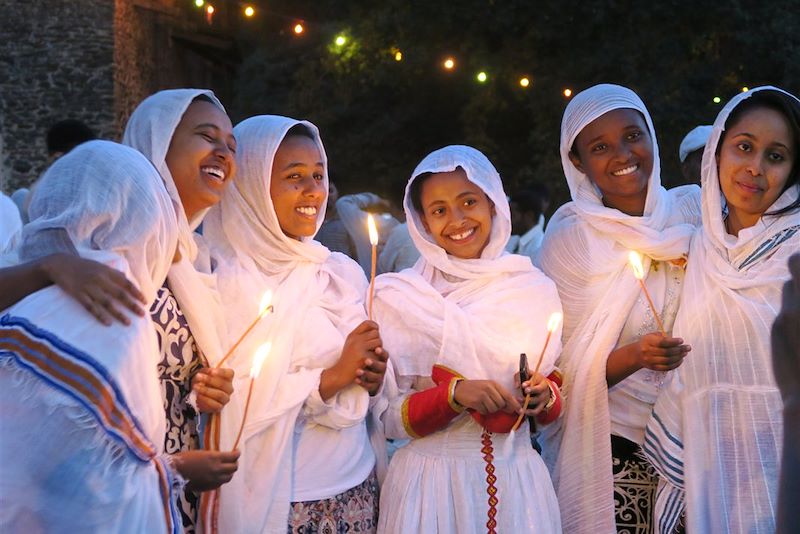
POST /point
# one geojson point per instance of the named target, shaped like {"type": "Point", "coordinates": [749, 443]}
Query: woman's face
{"type": "Point", "coordinates": [456, 213]}
{"type": "Point", "coordinates": [616, 152]}
{"type": "Point", "coordinates": [201, 156]}
{"type": "Point", "coordinates": [297, 186]}
{"type": "Point", "coordinates": [755, 160]}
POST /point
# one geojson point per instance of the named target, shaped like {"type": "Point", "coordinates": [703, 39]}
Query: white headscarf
{"type": "Point", "coordinates": [111, 202]}
{"type": "Point", "coordinates": [585, 251]}
{"type": "Point", "coordinates": [474, 316]}
{"type": "Point", "coordinates": [318, 299]}
{"type": "Point", "coordinates": [10, 224]}
{"type": "Point", "coordinates": [716, 431]}
{"type": "Point", "coordinates": [694, 140]}
{"type": "Point", "coordinates": [150, 130]}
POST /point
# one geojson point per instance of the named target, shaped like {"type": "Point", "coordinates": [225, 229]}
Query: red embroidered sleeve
{"type": "Point", "coordinates": [551, 413]}
{"type": "Point", "coordinates": [427, 411]}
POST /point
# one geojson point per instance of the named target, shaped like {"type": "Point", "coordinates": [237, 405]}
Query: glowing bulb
{"type": "Point", "coordinates": [449, 63]}
{"type": "Point", "coordinates": [373, 231]}
{"type": "Point", "coordinates": [524, 82]}
{"type": "Point", "coordinates": [340, 40]}
{"type": "Point", "coordinates": [554, 321]}
{"type": "Point", "coordinates": [636, 263]}
{"type": "Point", "coordinates": [745, 89]}
{"type": "Point", "coordinates": [258, 360]}
{"type": "Point", "coordinates": [481, 77]}
{"type": "Point", "coordinates": [568, 92]}
{"type": "Point", "coordinates": [199, 3]}
{"type": "Point", "coordinates": [398, 56]}
{"type": "Point", "coordinates": [249, 11]}
{"type": "Point", "coordinates": [210, 9]}
{"type": "Point", "coordinates": [298, 28]}
{"type": "Point", "coordinates": [717, 100]}
{"type": "Point", "coordinates": [266, 303]}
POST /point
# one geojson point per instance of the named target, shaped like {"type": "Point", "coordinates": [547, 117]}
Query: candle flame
{"type": "Point", "coordinates": [266, 303]}
{"type": "Point", "coordinates": [554, 321]}
{"type": "Point", "coordinates": [261, 354]}
{"type": "Point", "coordinates": [373, 231]}
{"type": "Point", "coordinates": [636, 264]}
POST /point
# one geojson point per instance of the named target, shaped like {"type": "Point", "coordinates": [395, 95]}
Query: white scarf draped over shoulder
{"type": "Point", "coordinates": [318, 301]}
{"type": "Point", "coordinates": [474, 316]}
{"type": "Point", "coordinates": [111, 203]}
{"type": "Point", "coordinates": [585, 251]}
{"type": "Point", "coordinates": [150, 130]}
{"type": "Point", "coordinates": [716, 432]}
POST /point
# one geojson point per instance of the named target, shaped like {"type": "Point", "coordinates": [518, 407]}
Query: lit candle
{"type": "Point", "coordinates": [261, 354]}
{"type": "Point", "coordinates": [264, 308]}
{"type": "Point", "coordinates": [638, 271]}
{"type": "Point", "coordinates": [552, 326]}
{"type": "Point", "coordinates": [373, 240]}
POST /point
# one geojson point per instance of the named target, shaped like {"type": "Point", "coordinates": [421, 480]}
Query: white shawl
{"type": "Point", "coordinates": [474, 316]}
{"type": "Point", "coordinates": [111, 202]}
{"type": "Point", "coordinates": [10, 224]}
{"type": "Point", "coordinates": [150, 130]}
{"type": "Point", "coordinates": [585, 251]}
{"type": "Point", "coordinates": [318, 299]}
{"type": "Point", "coordinates": [716, 432]}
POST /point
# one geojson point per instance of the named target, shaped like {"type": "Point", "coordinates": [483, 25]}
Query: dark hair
{"type": "Point", "coordinates": [787, 106]}
{"type": "Point", "coordinates": [203, 98]}
{"type": "Point", "coordinates": [65, 135]}
{"type": "Point", "coordinates": [300, 130]}
{"type": "Point", "coordinates": [416, 191]}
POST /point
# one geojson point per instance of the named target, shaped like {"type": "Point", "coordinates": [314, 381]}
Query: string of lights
{"type": "Point", "coordinates": [449, 64]}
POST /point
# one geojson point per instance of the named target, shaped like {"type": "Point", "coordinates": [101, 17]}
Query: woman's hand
{"type": "Point", "coordinates": [359, 345]}
{"type": "Point", "coordinates": [539, 389]}
{"type": "Point", "coordinates": [370, 377]}
{"type": "Point", "coordinates": [653, 351]}
{"type": "Point", "coordinates": [99, 288]}
{"type": "Point", "coordinates": [660, 353]}
{"type": "Point", "coordinates": [213, 388]}
{"type": "Point", "coordinates": [206, 470]}
{"type": "Point", "coordinates": [485, 397]}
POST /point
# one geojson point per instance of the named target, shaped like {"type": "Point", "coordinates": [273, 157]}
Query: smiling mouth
{"type": "Point", "coordinates": [215, 173]}
{"type": "Point", "coordinates": [462, 236]}
{"type": "Point", "coordinates": [752, 188]}
{"type": "Point", "coordinates": [307, 211]}
{"type": "Point", "coordinates": [627, 170]}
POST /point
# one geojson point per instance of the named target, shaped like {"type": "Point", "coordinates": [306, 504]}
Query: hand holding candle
{"type": "Point", "coordinates": [261, 354]}
{"type": "Point", "coordinates": [263, 308]}
{"type": "Point", "coordinates": [638, 271]}
{"type": "Point", "coordinates": [552, 325]}
{"type": "Point", "coordinates": [373, 240]}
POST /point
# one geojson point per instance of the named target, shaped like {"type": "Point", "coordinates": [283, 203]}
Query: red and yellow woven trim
{"type": "Point", "coordinates": [491, 489]}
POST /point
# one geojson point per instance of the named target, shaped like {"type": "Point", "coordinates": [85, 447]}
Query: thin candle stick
{"type": "Point", "coordinates": [638, 271]}
{"type": "Point", "coordinates": [373, 241]}
{"type": "Point", "coordinates": [244, 417]}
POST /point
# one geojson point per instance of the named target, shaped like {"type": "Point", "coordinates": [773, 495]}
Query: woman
{"type": "Point", "coordinates": [189, 138]}
{"type": "Point", "coordinates": [307, 460]}
{"type": "Point", "coordinates": [81, 414]}
{"type": "Point", "coordinates": [456, 324]}
{"type": "Point", "coordinates": [614, 356]}
{"type": "Point", "coordinates": [715, 434]}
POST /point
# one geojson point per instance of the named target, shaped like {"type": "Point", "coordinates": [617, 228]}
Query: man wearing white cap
{"type": "Point", "coordinates": [691, 153]}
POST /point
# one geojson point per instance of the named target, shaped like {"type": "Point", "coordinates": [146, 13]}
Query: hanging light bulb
{"type": "Point", "coordinates": [449, 63]}
{"type": "Point", "coordinates": [249, 11]}
{"type": "Point", "coordinates": [298, 28]}
{"type": "Point", "coordinates": [524, 81]}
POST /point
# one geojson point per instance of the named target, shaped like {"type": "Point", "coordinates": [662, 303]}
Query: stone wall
{"type": "Point", "coordinates": [55, 63]}
{"type": "Point", "coordinates": [95, 60]}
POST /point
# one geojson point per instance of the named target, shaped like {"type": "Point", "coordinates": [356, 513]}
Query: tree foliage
{"type": "Point", "coordinates": [379, 117]}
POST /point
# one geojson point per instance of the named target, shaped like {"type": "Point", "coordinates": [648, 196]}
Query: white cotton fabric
{"type": "Point", "coordinates": [10, 224]}
{"type": "Point", "coordinates": [717, 432]}
{"type": "Point", "coordinates": [694, 140]}
{"type": "Point", "coordinates": [585, 251]}
{"type": "Point", "coordinates": [318, 299]}
{"type": "Point", "coordinates": [59, 470]}
{"type": "Point", "coordinates": [150, 130]}
{"type": "Point", "coordinates": [474, 316]}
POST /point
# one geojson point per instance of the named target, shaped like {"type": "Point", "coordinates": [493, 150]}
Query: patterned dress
{"type": "Point", "coordinates": [180, 360]}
